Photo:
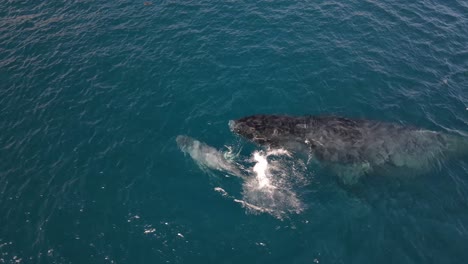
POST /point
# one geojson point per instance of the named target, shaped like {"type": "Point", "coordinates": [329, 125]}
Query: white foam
{"type": "Point", "coordinates": [221, 191]}
{"type": "Point", "coordinates": [278, 152]}
{"type": "Point", "coordinates": [260, 170]}
{"type": "Point", "coordinates": [150, 230]}
{"type": "Point", "coordinates": [271, 190]}
{"type": "Point", "coordinates": [253, 207]}
{"type": "Point", "coordinates": [268, 187]}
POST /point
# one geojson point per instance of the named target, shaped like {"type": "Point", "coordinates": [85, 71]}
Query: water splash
{"type": "Point", "coordinates": [269, 186]}
{"type": "Point", "coordinates": [272, 188]}
{"type": "Point", "coordinates": [260, 170]}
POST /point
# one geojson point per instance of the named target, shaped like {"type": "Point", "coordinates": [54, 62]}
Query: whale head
{"type": "Point", "coordinates": [187, 144]}
{"type": "Point", "coordinates": [266, 129]}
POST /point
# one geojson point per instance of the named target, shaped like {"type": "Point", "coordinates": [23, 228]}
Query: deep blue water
{"type": "Point", "coordinates": [94, 93]}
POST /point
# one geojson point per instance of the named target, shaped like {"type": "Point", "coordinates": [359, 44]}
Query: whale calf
{"type": "Point", "coordinates": [354, 146]}
{"type": "Point", "coordinates": [207, 156]}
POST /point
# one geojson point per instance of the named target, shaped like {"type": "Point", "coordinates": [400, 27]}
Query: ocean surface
{"type": "Point", "coordinates": [94, 93]}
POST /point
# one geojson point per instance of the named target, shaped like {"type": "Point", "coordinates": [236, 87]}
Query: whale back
{"type": "Point", "coordinates": [351, 141]}
{"type": "Point", "coordinates": [207, 156]}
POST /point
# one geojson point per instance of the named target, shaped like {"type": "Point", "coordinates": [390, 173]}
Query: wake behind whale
{"type": "Point", "coordinates": [352, 147]}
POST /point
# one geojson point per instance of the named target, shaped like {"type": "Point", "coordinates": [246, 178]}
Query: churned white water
{"type": "Point", "coordinates": [272, 188]}
{"type": "Point", "coordinates": [269, 178]}
{"type": "Point", "coordinates": [260, 169]}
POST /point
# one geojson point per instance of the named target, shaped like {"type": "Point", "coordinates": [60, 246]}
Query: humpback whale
{"type": "Point", "coordinates": [353, 147]}
{"type": "Point", "coordinates": [207, 156]}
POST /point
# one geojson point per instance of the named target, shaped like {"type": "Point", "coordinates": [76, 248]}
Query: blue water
{"type": "Point", "coordinates": [94, 93]}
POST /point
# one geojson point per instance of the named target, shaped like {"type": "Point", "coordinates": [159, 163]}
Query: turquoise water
{"type": "Point", "coordinates": [94, 93]}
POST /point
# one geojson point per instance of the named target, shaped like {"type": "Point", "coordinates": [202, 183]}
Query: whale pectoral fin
{"type": "Point", "coordinates": [350, 174]}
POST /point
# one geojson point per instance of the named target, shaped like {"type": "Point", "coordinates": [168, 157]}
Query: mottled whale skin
{"type": "Point", "coordinates": [357, 145]}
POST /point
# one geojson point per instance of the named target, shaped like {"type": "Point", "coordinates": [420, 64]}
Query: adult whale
{"type": "Point", "coordinates": [353, 147]}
